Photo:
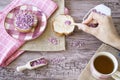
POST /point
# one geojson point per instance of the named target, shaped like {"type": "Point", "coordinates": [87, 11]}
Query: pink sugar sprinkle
{"type": "Point", "coordinates": [38, 62]}
{"type": "Point", "coordinates": [66, 11]}
{"type": "Point", "coordinates": [53, 40]}
{"type": "Point", "coordinates": [24, 19]}
{"type": "Point", "coordinates": [57, 60]}
{"type": "Point", "coordinates": [67, 22]}
{"type": "Point", "coordinates": [93, 25]}
{"type": "Point", "coordinates": [77, 44]}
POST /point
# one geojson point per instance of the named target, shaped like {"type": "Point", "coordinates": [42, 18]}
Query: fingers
{"type": "Point", "coordinates": [96, 16]}
{"type": "Point", "coordinates": [86, 28]}
{"type": "Point", "coordinates": [93, 16]}
{"type": "Point", "coordinates": [89, 19]}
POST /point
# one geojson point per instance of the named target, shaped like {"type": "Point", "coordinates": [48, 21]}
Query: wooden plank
{"type": "Point", "coordinates": [78, 8]}
{"type": "Point", "coordinates": [64, 65]}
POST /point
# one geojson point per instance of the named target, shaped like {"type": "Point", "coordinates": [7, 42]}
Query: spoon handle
{"type": "Point", "coordinates": [21, 68]}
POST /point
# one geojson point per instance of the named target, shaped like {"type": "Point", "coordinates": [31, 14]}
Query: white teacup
{"type": "Point", "coordinates": [104, 65]}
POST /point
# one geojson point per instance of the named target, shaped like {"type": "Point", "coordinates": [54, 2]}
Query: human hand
{"type": "Point", "coordinates": [105, 30]}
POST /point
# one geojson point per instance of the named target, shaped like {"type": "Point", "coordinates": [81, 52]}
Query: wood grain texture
{"type": "Point", "coordinates": [65, 65]}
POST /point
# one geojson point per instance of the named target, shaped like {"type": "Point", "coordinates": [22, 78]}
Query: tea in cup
{"type": "Point", "coordinates": [104, 65]}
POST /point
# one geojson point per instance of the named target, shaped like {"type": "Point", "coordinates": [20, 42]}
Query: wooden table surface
{"type": "Point", "coordinates": [80, 47]}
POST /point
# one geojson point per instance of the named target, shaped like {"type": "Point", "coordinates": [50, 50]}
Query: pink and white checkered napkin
{"type": "Point", "coordinates": [9, 45]}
